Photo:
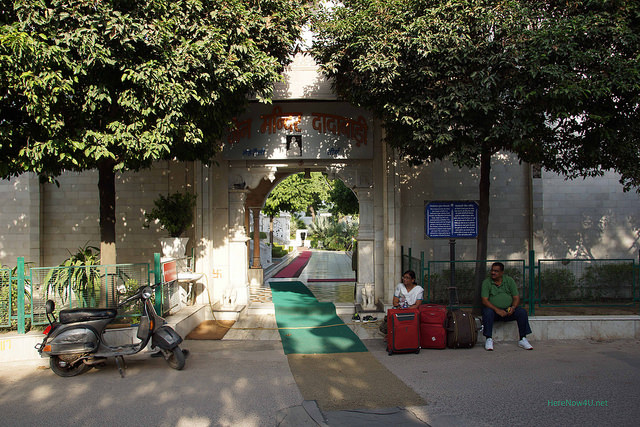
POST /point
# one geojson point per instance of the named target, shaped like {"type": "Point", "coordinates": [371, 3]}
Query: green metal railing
{"type": "Point", "coordinates": [6, 295]}
{"type": "Point", "coordinates": [410, 262]}
{"type": "Point", "coordinates": [24, 291]}
{"type": "Point", "coordinates": [543, 283]}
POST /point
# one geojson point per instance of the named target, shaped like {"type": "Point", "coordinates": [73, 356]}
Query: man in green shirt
{"type": "Point", "coordinates": [500, 299]}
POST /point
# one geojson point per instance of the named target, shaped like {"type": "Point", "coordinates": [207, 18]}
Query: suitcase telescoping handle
{"type": "Point", "coordinates": [403, 317]}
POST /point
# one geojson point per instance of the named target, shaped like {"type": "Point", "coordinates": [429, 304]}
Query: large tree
{"type": "Point", "coordinates": [114, 85]}
{"type": "Point", "coordinates": [554, 82]}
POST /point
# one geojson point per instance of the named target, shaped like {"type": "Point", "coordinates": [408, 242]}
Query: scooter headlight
{"type": "Point", "coordinates": [147, 292]}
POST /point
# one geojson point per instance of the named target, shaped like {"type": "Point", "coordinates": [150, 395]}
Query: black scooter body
{"type": "Point", "coordinates": [77, 338]}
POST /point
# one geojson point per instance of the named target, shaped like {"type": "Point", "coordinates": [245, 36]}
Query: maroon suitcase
{"type": "Point", "coordinates": [403, 331]}
{"type": "Point", "coordinates": [433, 336]}
{"type": "Point", "coordinates": [433, 314]}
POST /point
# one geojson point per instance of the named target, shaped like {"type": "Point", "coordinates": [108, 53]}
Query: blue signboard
{"type": "Point", "coordinates": [451, 220]}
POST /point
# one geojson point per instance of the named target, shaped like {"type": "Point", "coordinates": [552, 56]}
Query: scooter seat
{"type": "Point", "coordinates": [84, 314]}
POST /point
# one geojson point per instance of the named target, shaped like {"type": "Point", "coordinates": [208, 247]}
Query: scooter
{"type": "Point", "coordinates": [75, 343]}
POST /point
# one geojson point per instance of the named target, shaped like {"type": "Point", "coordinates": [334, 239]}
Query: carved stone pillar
{"type": "Point", "coordinates": [256, 238]}
{"type": "Point", "coordinates": [238, 239]}
{"type": "Point", "coordinates": [366, 265]}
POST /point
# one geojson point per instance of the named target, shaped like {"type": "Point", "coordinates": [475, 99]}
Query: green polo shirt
{"type": "Point", "coordinates": [500, 296]}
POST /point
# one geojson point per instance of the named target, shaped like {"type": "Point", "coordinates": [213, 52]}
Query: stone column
{"type": "Point", "coordinates": [237, 287]}
{"type": "Point", "coordinates": [256, 238]}
{"type": "Point", "coordinates": [365, 242]}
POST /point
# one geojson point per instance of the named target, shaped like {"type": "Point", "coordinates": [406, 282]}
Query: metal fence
{"type": "Point", "coordinates": [410, 262]}
{"type": "Point", "coordinates": [86, 286]}
{"type": "Point", "coordinates": [6, 297]}
{"type": "Point", "coordinates": [438, 277]}
{"type": "Point", "coordinates": [545, 283]}
{"type": "Point", "coordinates": [24, 290]}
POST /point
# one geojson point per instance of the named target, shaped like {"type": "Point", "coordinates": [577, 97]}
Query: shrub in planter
{"type": "Point", "coordinates": [77, 275]}
{"type": "Point", "coordinates": [174, 213]}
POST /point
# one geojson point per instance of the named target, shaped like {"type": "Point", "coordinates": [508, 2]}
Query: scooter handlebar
{"type": "Point", "coordinates": [138, 293]}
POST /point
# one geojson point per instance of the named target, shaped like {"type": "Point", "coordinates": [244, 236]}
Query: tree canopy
{"type": "Point", "coordinates": [342, 199]}
{"type": "Point", "coordinates": [297, 194]}
{"type": "Point", "coordinates": [115, 85]}
{"type": "Point", "coordinates": [554, 82]}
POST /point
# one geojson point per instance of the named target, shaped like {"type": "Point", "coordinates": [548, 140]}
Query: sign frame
{"type": "Point", "coordinates": [451, 219]}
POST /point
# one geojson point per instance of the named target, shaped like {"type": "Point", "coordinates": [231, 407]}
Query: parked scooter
{"type": "Point", "coordinates": [75, 343]}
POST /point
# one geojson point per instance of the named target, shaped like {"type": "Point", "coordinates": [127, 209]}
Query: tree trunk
{"type": "Point", "coordinates": [483, 227]}
{"type": "Point", "coordinates": [107, 190]}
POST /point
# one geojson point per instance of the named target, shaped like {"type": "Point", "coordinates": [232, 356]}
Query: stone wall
{"type": "Point", "coordinates": [592, 218]}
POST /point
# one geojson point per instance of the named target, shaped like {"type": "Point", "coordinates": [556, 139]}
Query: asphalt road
{"type": "Point", "coordinates": [246, 383]}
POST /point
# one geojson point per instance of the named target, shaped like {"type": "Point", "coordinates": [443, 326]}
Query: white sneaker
{"type": "Point", "coordinates": [488, 344]}
{"type": "Point", "coordinates": [525, 344]}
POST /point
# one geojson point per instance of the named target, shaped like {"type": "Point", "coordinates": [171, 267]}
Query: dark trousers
{"type": "Point", "coordinates": [519, 315]}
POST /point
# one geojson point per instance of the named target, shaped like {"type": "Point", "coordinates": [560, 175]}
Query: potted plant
{"type": "Point", "coordinates": [174, 213]}
{"type": "Point", "coordinates": [77, 275]}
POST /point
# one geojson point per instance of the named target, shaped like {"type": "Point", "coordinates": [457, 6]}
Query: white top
{"type": "Point", "coordinates": [410, 297]}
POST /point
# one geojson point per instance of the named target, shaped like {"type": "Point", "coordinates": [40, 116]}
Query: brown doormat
{"type": "Point", "coordinates": [211, 330]}
{"type": "Point", "coordinates": [344, 381]}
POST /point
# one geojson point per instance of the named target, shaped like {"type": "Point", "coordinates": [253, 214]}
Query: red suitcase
{"type": "Point", "coordinates": [403, 331]}
{"type": "Point", "coordinates": [433, 314]}
{"type": "Point", "coordinates": [433, 336]}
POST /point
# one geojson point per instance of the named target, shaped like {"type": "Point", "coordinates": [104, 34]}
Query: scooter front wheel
{"type": "Point", "coordinates": [175, 358]}
{"type": "Point", "coordinates": [66, 368]}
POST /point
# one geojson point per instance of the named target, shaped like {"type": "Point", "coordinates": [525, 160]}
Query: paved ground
{"type": "Point", "coordinates": [249, 383]}
{"type": "Point", "coordinates": [245, 380]}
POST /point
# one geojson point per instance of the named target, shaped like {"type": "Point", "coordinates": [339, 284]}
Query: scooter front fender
{"type": "Point", "coordinates": [165, 338]}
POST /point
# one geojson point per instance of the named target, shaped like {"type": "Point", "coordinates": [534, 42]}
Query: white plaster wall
{"type": "Point", "coordinates": [440, 181]}
{"type": "Point", "coordinates": [19, 219]}
{"type": "Point", "coordinates": [71, 212]}
{"type": "Point", "coordinates": [590, 218]}
{"type": "Point", "coordinates": [303, 81]}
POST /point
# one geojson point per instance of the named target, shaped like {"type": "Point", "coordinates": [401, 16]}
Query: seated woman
{"type": "Point", "coordinates": [408, 294]}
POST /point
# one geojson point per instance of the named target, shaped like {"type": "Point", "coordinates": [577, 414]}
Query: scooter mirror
{"type": "Point", "coordinates": [50, 306]}
{"type": "Point", "coordinates": [147, 292]}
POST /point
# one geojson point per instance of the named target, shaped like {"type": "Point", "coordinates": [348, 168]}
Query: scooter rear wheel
{"type": "Point", "coordinates": [175, 358]}
{"type": "Point", "coordinates": [64, 368]}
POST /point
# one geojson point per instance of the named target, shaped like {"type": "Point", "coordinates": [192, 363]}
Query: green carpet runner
{"type": "Point", "coordinates": [312, 327]}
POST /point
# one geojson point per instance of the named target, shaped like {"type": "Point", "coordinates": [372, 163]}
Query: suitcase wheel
{"type": "Point", "coordinates": [417, 351]}
{"type": "Point", "coordinates": [390, 352]}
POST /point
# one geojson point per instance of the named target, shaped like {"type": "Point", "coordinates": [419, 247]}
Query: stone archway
{"type": "Point", "coordinates": [260, 181]}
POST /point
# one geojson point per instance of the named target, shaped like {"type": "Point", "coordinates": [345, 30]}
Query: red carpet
{"type": "Point", "coordinates": [331, 280]}
{"type": "Point", "coordinates": [295, 267]}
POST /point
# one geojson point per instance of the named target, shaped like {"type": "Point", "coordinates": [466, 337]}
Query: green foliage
{"type": "Point", "coordinates": [296, 194]}
{"type": "Point", "coordinates": [279, 251]}
{"type": "Point", "coordinates": [174, 212]}
{"type": "Point", "coordinates": [553, 82]}
{"type": "Point", "coordinates": [117, 85]}
{"type": "Point", "coordinates": [557, 285]}
{"type": "Point", "coordinates": [335, 235]}
{"type": "Point", "coordinates": [9, 296]}
{"type": "Point", "coordinates": [342, 200]}
{"type": "Point", "coordinates": [296, 223]}
{"type": "Point", "coordinates": [77, 274]}
{"type": "Point", "coordinates": [607, 281]}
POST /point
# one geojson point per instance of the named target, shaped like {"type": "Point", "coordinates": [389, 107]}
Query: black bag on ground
{"type": "Point", "coordinates": [461, 329]}
{"type": "Point", "coordinates": [460, 325]}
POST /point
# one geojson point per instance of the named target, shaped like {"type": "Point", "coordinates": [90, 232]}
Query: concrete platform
{"type": "Point", "coordinates": [258, 323]}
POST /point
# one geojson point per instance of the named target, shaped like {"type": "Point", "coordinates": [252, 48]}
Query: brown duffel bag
{"type": "Point", "coordinates": [461, 329]}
